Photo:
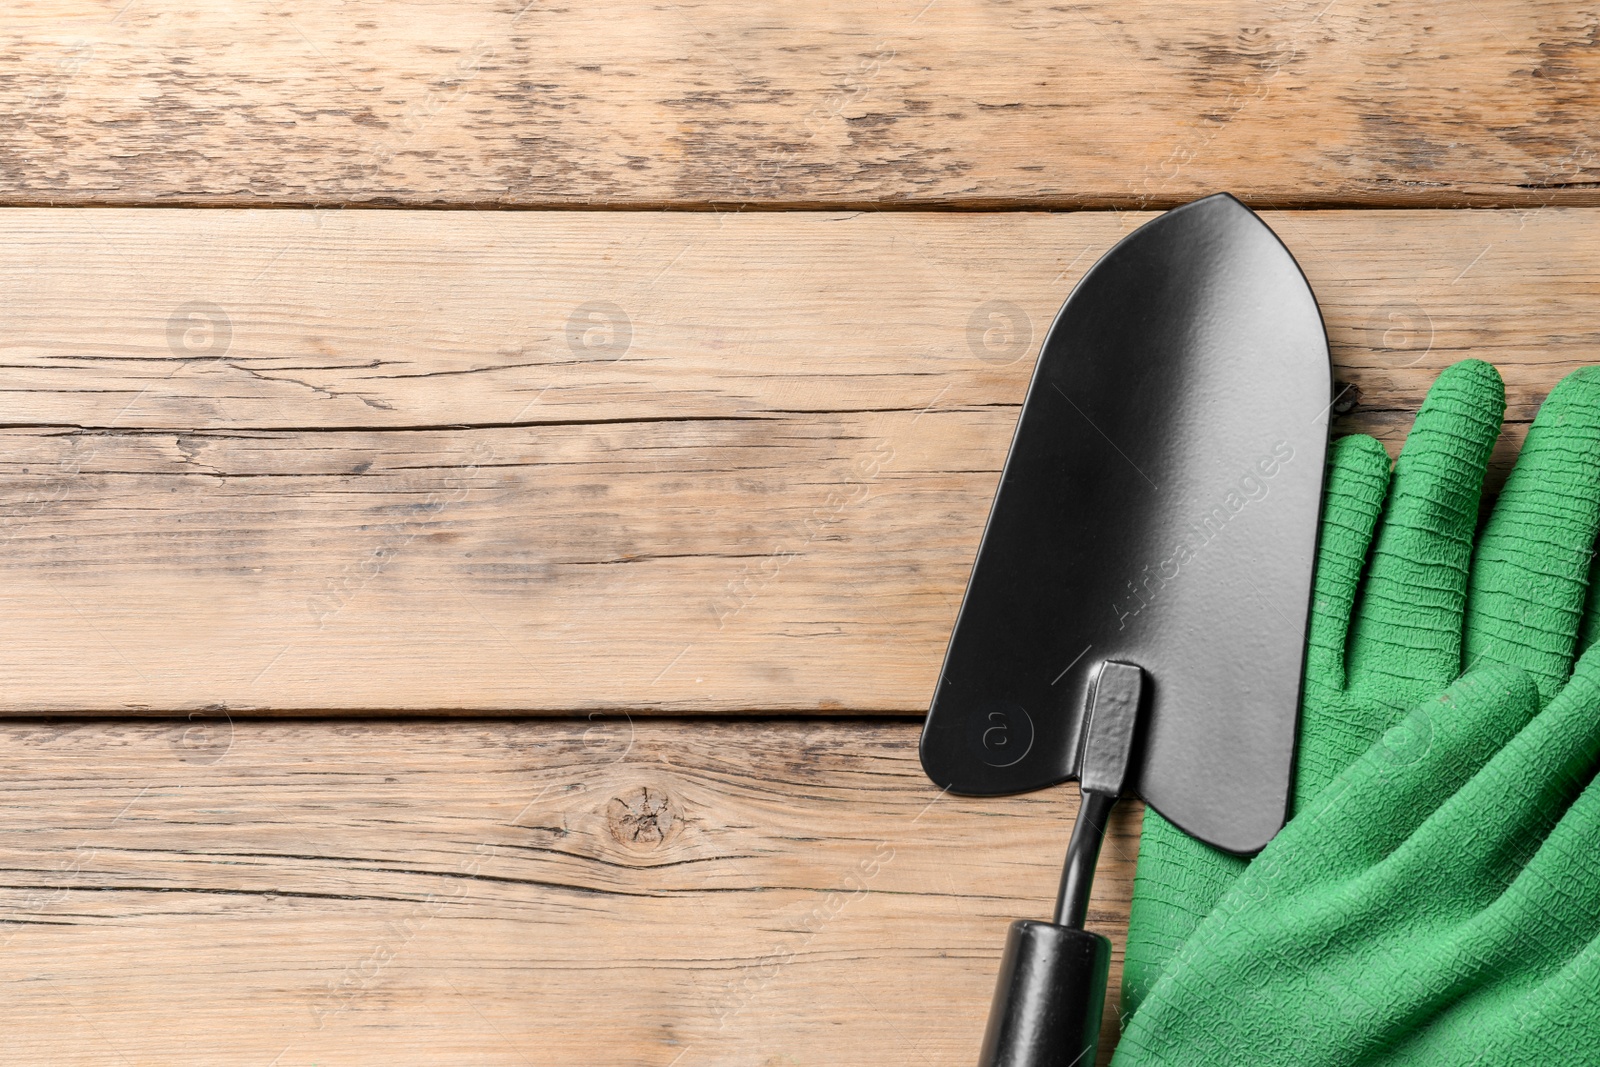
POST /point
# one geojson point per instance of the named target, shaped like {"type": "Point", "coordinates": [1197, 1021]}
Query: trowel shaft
{"type": "Point", "coordinates": [1083, 851]}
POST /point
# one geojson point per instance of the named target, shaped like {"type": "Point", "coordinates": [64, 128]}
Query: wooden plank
{"type": "Point", "coordinates": [354, 461]}
{"type": "Point", "coordinates": [651, 893]}
{"type": "Point", "coordinates": [958, 102]}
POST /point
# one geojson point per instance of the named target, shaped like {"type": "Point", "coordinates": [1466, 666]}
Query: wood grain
{"type": "Point", "coordinates": [391, 464]}
{"type": "Point", "coordinates": [605, 891]}
{"type": "Point", "coordinates": [958, 103]}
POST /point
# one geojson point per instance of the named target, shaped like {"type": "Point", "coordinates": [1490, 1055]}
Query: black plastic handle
{"type": "Point", "coordinates": [1048, 999]}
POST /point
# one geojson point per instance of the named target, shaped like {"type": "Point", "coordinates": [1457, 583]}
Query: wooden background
{"type": "Point", "coordinates": [496, 634]}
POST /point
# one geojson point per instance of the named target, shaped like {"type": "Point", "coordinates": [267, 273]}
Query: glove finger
{"type": "Point", "coordinates": [1372, 810]}
{"type": "Point", "coordinates": [1552, 1024]}
{"type": "Point", "coordinates": [1286, 964]}
{"type": "Point", "coordinates": [1358, 478]}
{"type": "Point", "coordinates": [1484, 830]}
{"type": "Point", "coordinates": [1531, 568]}
{"type": "Point", "coordinates": [1408, 625]}
{"type": "Point", "coordinates": [1526, 968]}
{"type": "Point", "coordinates": [1453, 902]}
{"type": "Point", "coordinates": [1555, 1026]}
{"type": "Point", "coordinates": [1552, 909]}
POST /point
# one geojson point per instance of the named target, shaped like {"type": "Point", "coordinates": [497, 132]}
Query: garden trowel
{"type": "Point", "coordinates": [1136, 616]}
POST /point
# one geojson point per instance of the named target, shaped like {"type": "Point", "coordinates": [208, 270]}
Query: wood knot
{"type": "Point", "coordinates": [643, 819]}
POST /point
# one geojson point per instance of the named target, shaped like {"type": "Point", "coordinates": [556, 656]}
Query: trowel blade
{"type": "Point", "coordinates": [1158, 507]}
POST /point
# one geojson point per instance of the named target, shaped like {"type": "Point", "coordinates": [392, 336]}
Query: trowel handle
{"type": "Point", "coordinates": [1052, 986]}
{"type": "Point", "coordinates": [1048, 999]}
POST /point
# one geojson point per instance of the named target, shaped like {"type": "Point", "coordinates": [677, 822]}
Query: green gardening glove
{"type": "Point", "coordinates": [1429, 603]}
{"type": "Point", "coordinates": [1437, 904]}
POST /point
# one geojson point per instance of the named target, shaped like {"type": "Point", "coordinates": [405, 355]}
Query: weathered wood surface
{"type": "Point", "coordinates": [952, 102]}
{"type": "Point", "coordinates": [368, 461]}
{"type": "Point", "coordinates": [374, 463]}
{"type": "Point", "coordinates": [600, 892]}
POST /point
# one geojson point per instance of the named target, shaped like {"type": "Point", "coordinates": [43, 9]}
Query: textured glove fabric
{"type": "Point", "coordinates": [1389, 631]}
{"type": "Point", "coordinates": [1437, 903]}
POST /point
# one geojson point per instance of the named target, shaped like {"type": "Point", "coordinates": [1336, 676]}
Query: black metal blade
{"type": "Point", "coordinates": [1159, 508]}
